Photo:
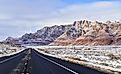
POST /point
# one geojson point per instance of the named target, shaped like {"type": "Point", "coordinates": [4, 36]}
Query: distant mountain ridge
{"type": "Point", "coordinates": [82, 32]}
{"type": "Point", "coordinates": [43, 36]}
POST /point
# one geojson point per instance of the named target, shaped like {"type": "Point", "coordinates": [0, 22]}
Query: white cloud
{"type": "Point", "coordinates": [102, 11]}
{"type": "Point", "coordinates": [21, 16]}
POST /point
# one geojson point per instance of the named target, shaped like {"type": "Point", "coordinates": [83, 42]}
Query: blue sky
{"type": "Point", "coordinates": [23, 16]}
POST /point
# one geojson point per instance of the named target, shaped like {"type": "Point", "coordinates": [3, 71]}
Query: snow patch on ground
{"type": "Point", "coordinates": [8, 50]}
{"type": "Point", "coordinates": [104, 58]}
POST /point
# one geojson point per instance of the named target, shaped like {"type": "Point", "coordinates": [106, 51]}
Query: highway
{"type": "Point", "coordinates": [7, 64]}
{"type": "Point", "coordinates": [38, 63]}
{"type": "Point", "coordinates": [6, 57]}
{"type": "Point", "coordinates": [45, 66]}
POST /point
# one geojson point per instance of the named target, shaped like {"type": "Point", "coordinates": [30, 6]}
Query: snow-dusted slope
{"type": "Point", "coordinates": [105, 58]}
{"type": "Point", "coordinates": [82, 32]}
{"type": "Point", "coordinates": [7, 50]}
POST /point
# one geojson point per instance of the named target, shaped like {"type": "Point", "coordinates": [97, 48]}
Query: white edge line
{"type": "Point", "coordinates": [57, 64]}
{"type": "Point", "coordinates": [9, 54]}
{"type": "Point", "coordinates": [10, 58]}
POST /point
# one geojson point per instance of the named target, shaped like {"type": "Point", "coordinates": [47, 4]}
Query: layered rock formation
{"type": "Point", "coordinates": [92, 33]}
{"type": "Point", "coordinates": [82, 32]}
{"type": "Point", "coordinates": [43, 36]}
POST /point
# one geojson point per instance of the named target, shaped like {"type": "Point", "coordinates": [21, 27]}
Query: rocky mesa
{"type": "Point", "coordinates": [91, 33]}
{"type": "Point", "coordinates": [82, 32]}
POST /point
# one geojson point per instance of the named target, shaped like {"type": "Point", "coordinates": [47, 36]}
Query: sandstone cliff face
{"type": "Point", "coordinates": [83, 40]}
{"type": "Point", "coordinates": [102, 40]}
{"type": "Point", "coordinates": [63, 40]}
{"type": "Point", "coordinates": [82, 32]}
{"type": "Point", "coordinates": [92, 33]}
{"type": "Point", "coordinates": [68, 37]}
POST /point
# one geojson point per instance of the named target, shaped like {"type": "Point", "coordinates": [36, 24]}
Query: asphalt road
{"type": "Point", "coordinates": [51, 65]}
{"type": "Point", "coordinates": [7, 64]}
{"type": "Point", "coordinates": [43, 64]}
{"type": "Point", "coordinates": [6, 57]}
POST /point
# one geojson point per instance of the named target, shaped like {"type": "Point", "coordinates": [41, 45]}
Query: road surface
{"type": "Point", "coordinates": [7, 64]}
{"type": "Point", "coordinates": [43, 64]}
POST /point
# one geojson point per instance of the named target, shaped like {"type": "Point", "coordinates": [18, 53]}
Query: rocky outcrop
{"type": "Point", "coordinates": [102, 40]}
{"type": "Point", "coordinates": [65, 39]}
{"type": "Point", "coordinates": [83, 40]}
{"type": "Point", "coordinates": [92, 33]}
{"type": "Point", "coordinates": [11, 40]}
{"type": "Point", "coordinates": [62, 42]}
{"type": "Point", "coordinates": [82, 32]}
{"type": "Point", "coordinates": [43, 36]}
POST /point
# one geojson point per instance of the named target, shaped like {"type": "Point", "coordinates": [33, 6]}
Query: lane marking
{"type": "Point", "coordinates": [56, 63]}
{"type": "Point", "coordinates": [11, 57]}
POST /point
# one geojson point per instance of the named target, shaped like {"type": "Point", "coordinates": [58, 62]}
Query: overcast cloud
{"type": "Point", "coordinates": [20, 16]}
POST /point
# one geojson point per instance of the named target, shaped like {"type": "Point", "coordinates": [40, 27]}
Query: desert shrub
{"type": "Point", "coordinates": [113, 57]}
{"type": "Point", "coordinates": [105, 64]}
